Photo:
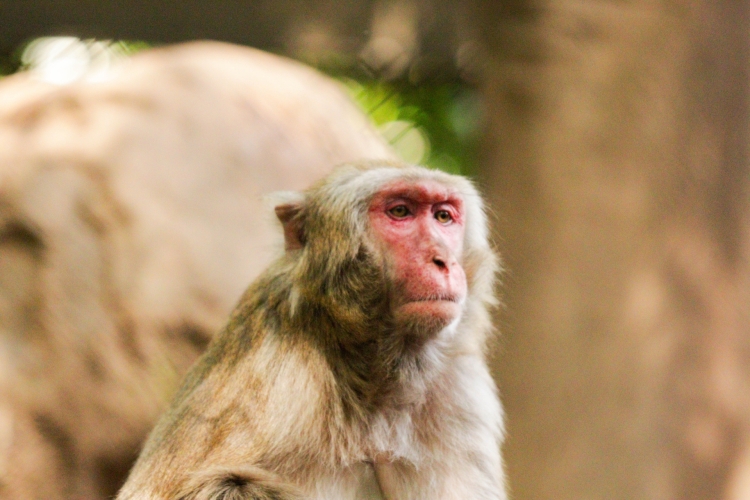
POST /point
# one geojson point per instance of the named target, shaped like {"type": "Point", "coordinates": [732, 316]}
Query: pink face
{"type": "Point", "coordinates": [420, 225]}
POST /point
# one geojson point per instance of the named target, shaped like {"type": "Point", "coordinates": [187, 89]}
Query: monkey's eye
{"type": "Point", "coordinates": [399, 211]}
{"type": "Point", "coordinates": [443, 217]}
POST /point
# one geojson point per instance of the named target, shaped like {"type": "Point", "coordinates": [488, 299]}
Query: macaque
{"type": "Point", "coordinates": [353, 367]}
{"type": "Point", "coordinates": [129, 226]}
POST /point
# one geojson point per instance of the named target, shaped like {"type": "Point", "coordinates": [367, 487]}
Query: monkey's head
{"type": "Point", "coordinates": [380, 243]}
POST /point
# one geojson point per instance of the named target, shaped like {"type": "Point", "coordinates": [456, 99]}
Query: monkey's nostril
{"type": "Point", "coordinates": [439, 262]}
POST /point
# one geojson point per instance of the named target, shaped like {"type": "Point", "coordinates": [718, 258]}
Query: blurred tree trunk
{"type": "Point", "coordinates": [617, 163]}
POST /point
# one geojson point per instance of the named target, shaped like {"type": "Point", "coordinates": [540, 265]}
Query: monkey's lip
{"type": "Point", "coordinates": [435, 311]}
{"type": "Point", "coordinates": [433, 298]}
{"type": "Point", "coordinates": [430, 303]}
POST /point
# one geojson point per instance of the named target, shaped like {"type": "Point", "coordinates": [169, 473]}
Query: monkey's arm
{"type": "Point", "coordinates": [231, 432]}
{"type": "Point", "coordinates": [241, 483]}
{"type": "Point", "coordinates": [460, 433]}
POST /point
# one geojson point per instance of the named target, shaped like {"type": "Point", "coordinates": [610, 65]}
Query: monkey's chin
{"type": "Point", "coordinates": [427, 317]}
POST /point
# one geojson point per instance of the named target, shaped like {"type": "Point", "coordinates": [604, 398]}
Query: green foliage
{"type": "Point", "coordinates": [447, 115]}
{"type": "Point", "coordinates": [130, 47]}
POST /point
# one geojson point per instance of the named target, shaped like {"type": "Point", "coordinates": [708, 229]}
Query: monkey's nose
{"type": "Point", "coordinates": [444, 265]}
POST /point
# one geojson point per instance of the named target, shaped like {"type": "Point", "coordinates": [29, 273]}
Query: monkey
{"type": "Point", "coordinates": [353, 367]}
{"type": "Point", "coordinates": [128, 231]}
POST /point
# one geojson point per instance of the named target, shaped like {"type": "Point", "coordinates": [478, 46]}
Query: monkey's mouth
{"type": "Point", "coordinates": [427, 315]}
{"type": "Point", "coordinates": [434, 298]}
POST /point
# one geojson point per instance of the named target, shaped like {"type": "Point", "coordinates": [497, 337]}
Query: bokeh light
{"type": "Point", "coordinates": [62, 60]}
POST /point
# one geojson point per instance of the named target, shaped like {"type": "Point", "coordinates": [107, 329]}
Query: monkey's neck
{"type": "Point", "coordinates": [376, 366]}
{"type": "Point", "coordinates": [390, 371]}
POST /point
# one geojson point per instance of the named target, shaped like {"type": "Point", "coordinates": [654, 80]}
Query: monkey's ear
{"type": "Point", "coordinates": [288, 214]}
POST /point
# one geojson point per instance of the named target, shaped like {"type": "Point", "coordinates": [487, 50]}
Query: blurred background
{"type": "Point", "coordinates": [611, 141]}
{"type": "Point", "coordinates": [411, 66]}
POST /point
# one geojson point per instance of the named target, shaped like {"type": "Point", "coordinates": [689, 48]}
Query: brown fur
{"type": "Point", "coordinates": [130, 222]}
{"type": "Point", "coordinates": [313, 381]}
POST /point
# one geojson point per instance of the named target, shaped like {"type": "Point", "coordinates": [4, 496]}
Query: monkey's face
{"type": "Point", "coordinates": [419, 228]}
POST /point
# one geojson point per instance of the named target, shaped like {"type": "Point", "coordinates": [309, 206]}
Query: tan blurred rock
{"type": "Point", "coordinates": [131, 218]}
